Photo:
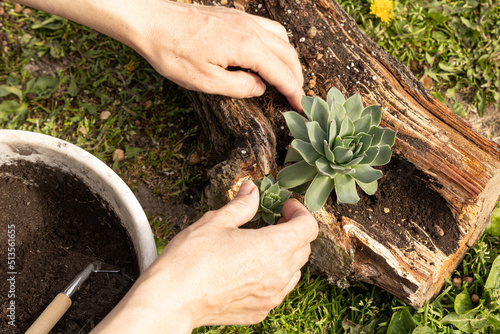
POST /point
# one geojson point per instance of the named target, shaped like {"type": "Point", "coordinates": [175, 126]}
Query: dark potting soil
{"type": "Point", "coordinates": [404, 203]}
{"type": "Point", "coordinates": [54, 226]}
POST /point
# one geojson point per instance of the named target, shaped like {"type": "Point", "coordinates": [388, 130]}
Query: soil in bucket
{"type": "Point", "coordinates": [51, 227]}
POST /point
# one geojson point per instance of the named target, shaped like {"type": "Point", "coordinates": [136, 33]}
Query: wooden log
{"type": "Point", "coordinates": [457, 166]}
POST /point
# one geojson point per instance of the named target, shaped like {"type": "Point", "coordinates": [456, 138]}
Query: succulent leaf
{"type": "Point", "coordinates": [388, 137]}
{"type": "Point", "coordinates": [284, 195]}
{"type": "Point", "coordinates": [269, 218]}
{"type": "Point", "coordinates": [383, 156]}
{"type": "Point", "coordinates": [272, 198]}
{"type": "Point", "coordinates": [342, 154]}
{"type": "Point", "coordinates": [375, 112]}
{"type": "Point", "coordinates": [306, 104]}
{"type": "Point", "coordinates": [293, 155]}
{"type": "Point", "coordinates": [345, 188]}
{"type": "Point", "coordinates": [337, 114]}
{"type": "Point", "coordinates": [335, 147]}
{"type": "Point", "coordinates": [366, 174]}
{"type": "Point", "coordinates": [365, 141]}
{"type": "Point", "coordinates": [318, 192]}
{"type": "Point", "coordinates": [316, 135]}
{"type": "Point", "coordinates": [296, 174]}
{"type": "Point", "coordinates": [354, 107]}
{"type": "Point", "coordinates": [324, 167]}
{"type": "Point", "coordinates": [370, 155]}
{"type": "Point", "coordinates": [334, 95]}
{"type": "Point", "coordinates": [377, 135]}
{"type": "Point", "coordinates": [328, 152]}
{"type": "Point", "coordinates": [320, 112]}
{"type": "Point", "coordinates": [306, 150]}
{"type": "Point", "coordinates": [346, 128]}
{"type": "Point", "coordinates": [297, 125]}
{"type": "Point", "coordinates": [332, 130]}
{"type": "Point", "coordinates": [363, 124]}
{"type": "Point", "coordinates": [369, 188]}
{"type": "Point", "coordinates": [266, 183]}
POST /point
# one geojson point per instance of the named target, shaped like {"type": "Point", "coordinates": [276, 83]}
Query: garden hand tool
{"type": "Point", "coordinates": [61, 303]}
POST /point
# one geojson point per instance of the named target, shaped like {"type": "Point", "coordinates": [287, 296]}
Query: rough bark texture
{"type": "Point", "coordinates": [458, 164]}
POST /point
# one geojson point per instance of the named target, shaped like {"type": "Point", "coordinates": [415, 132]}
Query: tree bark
{"type": "Point", "coordinates": [461, 166]}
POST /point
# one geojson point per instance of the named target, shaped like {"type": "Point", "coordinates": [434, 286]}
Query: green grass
{"type": "Point", "coordinates": [453, 42]}
{"type": "Point", "coordinates": [88, 74]}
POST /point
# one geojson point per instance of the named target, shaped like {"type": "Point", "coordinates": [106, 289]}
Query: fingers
{"type": "Point", "coordinates": [272, 26]}
{"type": "Point", "coordinates": [269, 53]}
{"type": "Point", "coordinates": [292, 284]}
{"type": "Point", "coordinates": [299, 221]}
{"type": "Point", "coordinates": [242, 208]}
{"type": "Point", "coordinates": [276, 62]}
{"type": "Point", "coordinates": [240, 84]}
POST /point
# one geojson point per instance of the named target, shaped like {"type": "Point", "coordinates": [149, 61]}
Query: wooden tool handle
{"type": "Point", "coordinates": [51, 315]}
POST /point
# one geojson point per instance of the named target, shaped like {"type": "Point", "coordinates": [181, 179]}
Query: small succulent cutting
{"type": "Point", "coordinates": [272, 198]}
{"type": "Point", "coordinates": [335, 147]}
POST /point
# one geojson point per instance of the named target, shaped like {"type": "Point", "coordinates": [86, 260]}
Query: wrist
{"type": "Point", "coordinates": [145, 310]}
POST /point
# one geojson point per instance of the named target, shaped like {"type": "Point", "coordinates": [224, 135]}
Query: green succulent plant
{"type": "Point", "coordinates": [272, 198]}
{"type": "Point", "coordinates": [335, 147]}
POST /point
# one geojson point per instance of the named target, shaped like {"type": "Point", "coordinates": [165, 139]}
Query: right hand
{"type": "Point", "coordinates": [214, 273]}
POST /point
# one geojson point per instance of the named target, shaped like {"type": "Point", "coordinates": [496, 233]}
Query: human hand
{"type": "Point", "coordinates": [194, 45]}
{"type": "Point", "coordinates": [215, 273]}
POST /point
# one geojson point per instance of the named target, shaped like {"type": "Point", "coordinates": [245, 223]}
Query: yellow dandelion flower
{"type": "Point", "coordinates": [382, 9]}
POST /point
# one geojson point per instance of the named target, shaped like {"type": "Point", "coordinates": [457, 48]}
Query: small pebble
{"type": "Point", "coordinates": [118, 154]}
{"type": "Point", "coordinates": [319, 56]}
{"type": "Point", "coordinates": [26, 11]}
{"type": "Point", "coordinates": [457, 282]}
{"type": "Point", "coordinates": [18, 8]}
{"type": "Point", "coordinates": [2, 11]}
{"type": "Point", "coordinates": [474, 298]}
{"type": "Point", "coordinates": [310, 92]}
{"type": "Point", "coordinates": [426, 81]}
{"type": "Point", "coordinates": [468, 279]}
{"type": "Point", "coordinates": [312, 83]}
{"type": "Point", "coordinates": [104, 115]}
{"type": "Point", "coordinates": [194, 159]}
{"type": "Point", "coordinates": [147, 104]}
{"type": "Point", "coordinates": [438, 231]}
{"type": "Point", "coordinates": [223, 2]}
{"type": "Point", "coordinates": [387, 210]}
{"type": "Point", "coordinates": [312, 32]}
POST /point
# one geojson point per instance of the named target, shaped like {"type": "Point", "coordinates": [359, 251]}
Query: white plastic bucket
{"type": "Point", "coordinates": [18, 145]}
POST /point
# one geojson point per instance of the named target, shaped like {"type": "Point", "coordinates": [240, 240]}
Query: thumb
{"type": "Point", "coordinates": [243, 207]}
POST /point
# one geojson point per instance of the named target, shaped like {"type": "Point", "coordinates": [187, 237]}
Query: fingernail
{"type": "Point", "coordinates": [258, 90]}
{"type": "Point", "coordinates": [246, 188]}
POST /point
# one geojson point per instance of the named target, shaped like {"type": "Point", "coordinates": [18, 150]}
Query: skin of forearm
{"type": "Point", "coordinates": [137, 313]}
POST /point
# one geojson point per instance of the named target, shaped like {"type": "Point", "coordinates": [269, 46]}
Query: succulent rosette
{"type": "Point", "coordinates": [272, 198]}
{"type": "Point", "coordinates": [335, 147]}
